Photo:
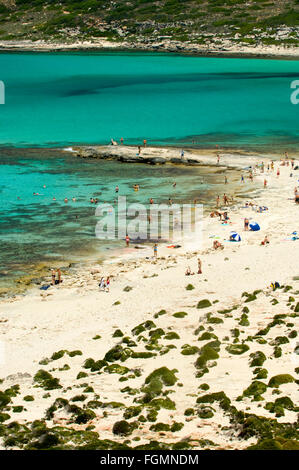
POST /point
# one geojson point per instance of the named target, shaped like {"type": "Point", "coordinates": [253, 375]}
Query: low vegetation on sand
{"type": "Point", "coordinates": [160, 382]}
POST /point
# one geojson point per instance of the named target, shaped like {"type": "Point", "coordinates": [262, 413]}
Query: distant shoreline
{"type": "Point", "coordinates": [169, 47]}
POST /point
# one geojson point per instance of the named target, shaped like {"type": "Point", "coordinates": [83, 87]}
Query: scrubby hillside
{"type": "Point", "coordinates": [198, 21]}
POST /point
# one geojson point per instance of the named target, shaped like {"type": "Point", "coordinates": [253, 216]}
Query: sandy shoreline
{"type": "Point", "coordinates": [71, 317]}
{"type": "Point", "coordinates": [226, 49]}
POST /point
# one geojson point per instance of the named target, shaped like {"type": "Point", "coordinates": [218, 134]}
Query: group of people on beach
{"type": "Point", "coordinates": [114, 142]}
{"type": "Point", "coordinates": [199, 268]}
{"type": "Point", "coordinates": [226, 200]}
{"type": "Point", "coordinates": [54, 280]}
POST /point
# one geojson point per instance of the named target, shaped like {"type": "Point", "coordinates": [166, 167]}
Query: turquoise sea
{"type": "Point", "coordinates": [56, 100]}
{"type": "Point", "coordinates": [64, 98]}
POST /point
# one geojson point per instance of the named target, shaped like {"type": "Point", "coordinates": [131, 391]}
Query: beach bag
{"type": "Point", "coordinates": [45, 287]}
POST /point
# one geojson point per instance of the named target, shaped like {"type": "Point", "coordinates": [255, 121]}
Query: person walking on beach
{"type": "Point", "coordinates": [278, 172]}
{"type": "Point", "coordinates": [107, 287]}
{"type": "Point", "coordinates": [265, 183]}
{"type": "Point", "coordinates": [246, 224]}
{"type": "Point", "coordinates": [139, 150]}
{"type": "Point", "coordinates": [182, 153]}
{"type": "Point", "coordinates": [218, 201]}
{"type": "Point", "coordinates": [199, 271]}
{"type": "Point", "coordinates": [225, 199]}
{"type": "Point", "coordinates": [155, 250]}
{"type": "Point", "coordinates": [225, 180]}
{"type": "Point", "coordinates": [53, 277]}
{"type": "Point", "coordinates": [102, 284]}
{"type": "Point", "coordinates": [242, 179]}
{"type": "Point", "coordinates": [127, 240]}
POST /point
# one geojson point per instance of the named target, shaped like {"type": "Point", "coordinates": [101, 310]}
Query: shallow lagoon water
{"type": "Point", "coordinates": [37, 229]}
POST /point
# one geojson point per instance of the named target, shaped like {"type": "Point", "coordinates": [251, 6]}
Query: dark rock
{"type": "Point", "coordinates": [155, 160]}
{"type": "Point", "coordinates": [177, 160]}
{"type": "Point", "coordinates": [129, 159]}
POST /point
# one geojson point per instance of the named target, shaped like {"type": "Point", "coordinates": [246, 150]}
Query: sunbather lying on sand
{"type": "Point", "coordinates": [217, 245]}
{"type": "Point", "coordinates": [188, 272]}
{"type": "Point", "coordinates": [265, 241]}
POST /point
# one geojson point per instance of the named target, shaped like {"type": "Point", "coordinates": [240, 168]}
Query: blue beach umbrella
{"type": "Point", "coordinates": [254, 227]}
{"type": "Point", "coordinates": [234, 236]}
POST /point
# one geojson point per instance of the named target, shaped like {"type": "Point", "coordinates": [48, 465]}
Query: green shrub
{"type": "Point", "coordinates": [280, 379]}
{"type": "Point", "coordinates": [122, 428]}
{"type": "Point", "coordinates": [205, 303]}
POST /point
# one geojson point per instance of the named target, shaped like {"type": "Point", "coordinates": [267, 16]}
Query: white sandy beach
{"type": "Point", "coordinates": [68, 317]}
